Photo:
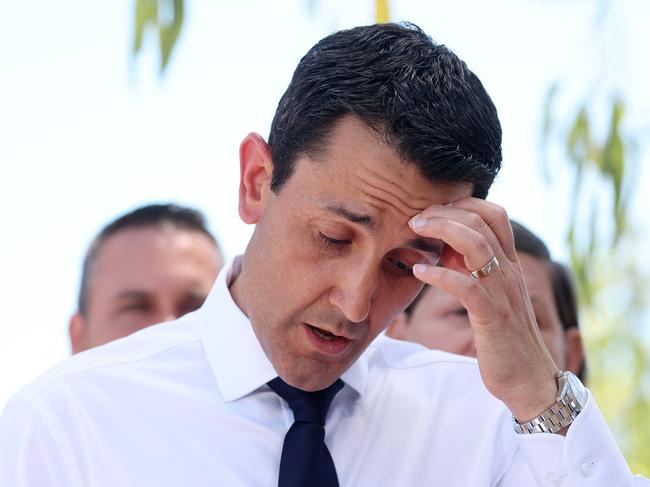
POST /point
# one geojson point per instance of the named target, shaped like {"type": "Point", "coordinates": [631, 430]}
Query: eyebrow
{"type": "Point", "coordinates": [366, 220]}
{"type": "Point", "coordinates": [132, 294]}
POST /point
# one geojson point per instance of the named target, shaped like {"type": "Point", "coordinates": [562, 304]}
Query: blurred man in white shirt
{"type": "Point", "coordinates": [153, 264]}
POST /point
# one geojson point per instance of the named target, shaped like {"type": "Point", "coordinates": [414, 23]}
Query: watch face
{"type": "Point", "coordinates": [578, 390]}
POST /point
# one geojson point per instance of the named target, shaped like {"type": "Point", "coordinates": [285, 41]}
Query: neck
{"type": "Point", "coordinates": [236, 285]}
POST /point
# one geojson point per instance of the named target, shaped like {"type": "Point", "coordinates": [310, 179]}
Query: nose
{"type": "Point", "coordinates": [169, 317]}
{"type": "Point", "coordinates": [166, 313]}
{"type": "Point", "coordinates": [354, 292]}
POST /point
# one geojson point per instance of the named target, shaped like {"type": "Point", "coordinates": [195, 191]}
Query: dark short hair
{"type": "Point", "coordinates": [417, 95]}
{"type": "Point", "coordinates": [159, 215]}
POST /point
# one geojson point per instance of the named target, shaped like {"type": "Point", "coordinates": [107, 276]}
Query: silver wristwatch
{"type": "Point", "coordinates": [571, 399]}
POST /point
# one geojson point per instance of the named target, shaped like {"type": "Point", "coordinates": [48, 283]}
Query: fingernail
{"type": "Point", "coordinates": [418, 222]}
{"type": "Point", "coordinates": [420, 269]}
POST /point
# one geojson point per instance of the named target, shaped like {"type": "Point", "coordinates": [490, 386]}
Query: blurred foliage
{"type": "Point", "coordinates": [605, 258]}
{"type": "Point", "coordinates": [163, 16]}
{"type": "Point", "coordinates": [166, 17]}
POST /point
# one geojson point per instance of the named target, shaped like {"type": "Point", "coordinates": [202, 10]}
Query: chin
{"type": "Point", "coordinates": [310, 378]}
{"type": "Point", "coordinates": [312, 385]}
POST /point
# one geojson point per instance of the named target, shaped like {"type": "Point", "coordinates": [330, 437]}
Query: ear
{"type": "Point", "coordinates": [397, 328]}
{"type": "Point", "coordinates": [256, 169]}
{"type": "Point", "coordinates": [574, 351]}
{"type": "Point", "coordinates": [77, 331]}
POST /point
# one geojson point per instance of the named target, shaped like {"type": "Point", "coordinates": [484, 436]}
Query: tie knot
{"type": "Point", "coordinates": [308, 407]}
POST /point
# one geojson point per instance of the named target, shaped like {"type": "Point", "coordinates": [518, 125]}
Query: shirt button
{"type": "Point", "coordinates": [553, 478]}
{"type": "Point", "coordinates": [587, 468]}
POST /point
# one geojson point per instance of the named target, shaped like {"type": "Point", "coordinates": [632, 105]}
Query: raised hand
{"type": "Point", "coordinates": [513, 360]}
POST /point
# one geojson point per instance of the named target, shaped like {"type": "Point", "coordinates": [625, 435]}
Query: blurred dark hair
{"type": "Point", "coordinates": [529, 243]}
{"type": "Point", "coordinates": [418, 96]}
{"type": "Point", "coordinates": [566, 301]}
{"type": "Point", "coordinates": [165, 215]}
{"type": "Point", "coordinates": [564, 290]}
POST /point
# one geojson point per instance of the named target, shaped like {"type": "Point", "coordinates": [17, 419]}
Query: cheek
{"type": "Point", "coordinates": [392, 297]}
{"type": "Point", "coordinates": [450, 331]}
{"type": "Point", "coordinates": [131, 322]}
{"type": "Point", "coordinates": [450, 334]}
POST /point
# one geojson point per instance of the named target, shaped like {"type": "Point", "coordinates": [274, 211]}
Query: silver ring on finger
{"type": "Point", "coordinates": [486, 269]}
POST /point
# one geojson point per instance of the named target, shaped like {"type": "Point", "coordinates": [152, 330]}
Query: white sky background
{"type": "Point", "coordinates": [86, 133]}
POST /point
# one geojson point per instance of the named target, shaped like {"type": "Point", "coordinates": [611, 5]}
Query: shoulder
{"type": "Point", "coordinates": [401, 368]}
{"type": "Point", "coordinates": [117, 358]}
{"type": "Point", "coordinates": [398, 354]}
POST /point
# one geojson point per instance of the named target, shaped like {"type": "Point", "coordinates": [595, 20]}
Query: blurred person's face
{"type": "Point", "coordinates": [440, 321]}
{"type": "Point", "coordinates": [329, 264]}
{"type": "Point", "coordinates": [144, 276]}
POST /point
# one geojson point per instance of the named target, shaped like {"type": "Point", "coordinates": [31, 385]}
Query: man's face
{"type": "Point", "coordinates": [440, 321]}
{"type": "Point", "coordinates": [144, 276]}
{"type": "Point", "coordinates": [329, 263]}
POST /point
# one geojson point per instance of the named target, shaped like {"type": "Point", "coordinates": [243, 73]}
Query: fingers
{"type": "Point", "coordinates": [479, 215]}
{"type": "Point", "coordinates": [470, 292]}
{"type": "Point", "coordinates": [473, 245]}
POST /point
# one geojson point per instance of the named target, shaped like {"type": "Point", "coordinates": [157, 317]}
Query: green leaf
{"type": "Point", "coordinates": [578, 140]}
{"type": "Point", "coordinates": [146, 12]}
{"type": "Point", "coordinates": [614, 164]}
{"type": "Point", "coordinates": [168, 34]}
{"type": "Point", "coordinates": [547, 114]}
{"type": "Point", "coordinates": [547, 125]}
{"type": "Point", "coordinates": [147, 15]}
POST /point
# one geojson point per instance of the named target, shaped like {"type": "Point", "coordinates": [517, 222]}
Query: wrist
{"type": "Point", "coordinates": [531, 404]}
{"type": "Point", "coordinates": [570, 400]}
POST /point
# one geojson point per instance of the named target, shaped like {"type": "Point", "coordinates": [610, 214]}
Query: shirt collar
{"type": "Point", "coordinates": [238, 362]}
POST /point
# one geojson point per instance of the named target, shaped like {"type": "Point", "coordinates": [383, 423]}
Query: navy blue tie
{"type": "Point", "coordinates": [306, 461]}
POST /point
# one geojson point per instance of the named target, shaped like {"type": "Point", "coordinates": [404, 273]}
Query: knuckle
{"type": "Point", "coordinates": [475, 221]}
{"type": "Point", "coordinates": [483, 245]}
{"type": "Point", "coordinates": [474, 287]}
{"type": "Point", "coordinates": [501, 214]}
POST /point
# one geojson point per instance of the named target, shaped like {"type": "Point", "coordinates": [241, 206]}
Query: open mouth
{"type": "Point", "coordinates": [325, 335]}
{"type": "Point", "coordinates": [325, 341]}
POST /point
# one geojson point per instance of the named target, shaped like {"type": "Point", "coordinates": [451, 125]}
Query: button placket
{"type": "Point", "coordinates": [554, 478]}
{"type": "Point", "coordinates": [588, 467]}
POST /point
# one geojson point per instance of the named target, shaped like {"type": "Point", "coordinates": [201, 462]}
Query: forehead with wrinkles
{"type": "Point", "coordinates": [362, 170]}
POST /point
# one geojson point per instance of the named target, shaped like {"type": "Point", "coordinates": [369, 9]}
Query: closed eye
{"type": "Point", "coordinates": [135, 306]}
{"type": "Point", "coordinates": [334, 242]}
{"type": "Point", "coordinates": [401, 267]}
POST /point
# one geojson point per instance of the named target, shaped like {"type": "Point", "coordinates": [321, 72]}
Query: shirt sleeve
{"type": "Point", "coordinates": [33, 448]}
{"type": "Point", "coordinates": [587, 457]}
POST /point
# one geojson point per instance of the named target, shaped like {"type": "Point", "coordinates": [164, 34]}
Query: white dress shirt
{"type": "Point", "coordinates": [186, 404]}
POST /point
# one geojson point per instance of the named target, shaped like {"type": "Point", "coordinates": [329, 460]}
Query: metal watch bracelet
{"type": "Point", "coordinates": [571, 400]}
